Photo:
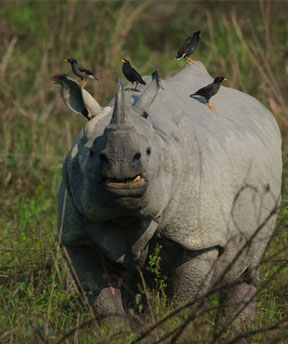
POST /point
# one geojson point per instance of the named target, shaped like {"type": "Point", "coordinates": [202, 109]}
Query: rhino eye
{"type": "Point", "coordinates": [91, 153]}
{"type": "Point", "coordinates": [145, 114]}
{"type": "Point", "coordinates": [148, 151]}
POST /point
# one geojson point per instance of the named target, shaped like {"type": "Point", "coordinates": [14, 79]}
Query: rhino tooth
{"type": "Point", "coordinates": [134, 180]}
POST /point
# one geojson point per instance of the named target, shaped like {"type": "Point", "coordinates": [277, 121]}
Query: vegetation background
{"type": "Point", "coordinates": [246, 41]}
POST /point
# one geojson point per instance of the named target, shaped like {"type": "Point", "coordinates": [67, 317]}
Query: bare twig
{"type": "Point", "coordinates": [146, 294]}
{"type": "Point", "coordinates": [249, 334]}
{"type": "Point", "coordinates": [39, 336]}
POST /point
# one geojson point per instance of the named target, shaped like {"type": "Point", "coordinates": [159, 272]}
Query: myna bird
{"type": "Point", "coordinates": [188, 48]}
{"type": "Point", "coordinates": [80, 71]}
{"type": "Point", "coordinates": [131, 74]}
{"type": "Point", "coordinates": [210, 90]}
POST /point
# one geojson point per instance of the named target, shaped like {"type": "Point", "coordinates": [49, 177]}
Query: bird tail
{"type": "Point", "coordinates": [179, 56]}
{"type": "Point", "coordinates": [142, 82]}
{"type": "Point", "coordinates": [194, 94]}
{"type": "Point", "coordinates": [93, 77]}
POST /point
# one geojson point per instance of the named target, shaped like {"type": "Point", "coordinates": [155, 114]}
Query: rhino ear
{"type": "Point", "coordinates": [148, 95]}
{"type": "Point", "coordinates": [77, 99]}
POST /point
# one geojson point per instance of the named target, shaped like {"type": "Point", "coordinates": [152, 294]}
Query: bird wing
{"type": "Point", "coordinates": [185, 47]}
{"type": "Point", "coordinates": [203, 90]}
{"type": "Point", "coordinates": [136, 74]}
{"type": "Point", "coordinates": [139, 77]}
{"type": "Point", "coordinates": [86, 71]}
{"type": "Point", "coordinates": [71, 94]}
{"type": "Point", "coordinates": [131, 73]}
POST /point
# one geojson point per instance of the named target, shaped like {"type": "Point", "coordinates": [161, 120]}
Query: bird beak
{"type": "Point", "coordinates": [123, 61]}
{"type": "Point", "coordinates": [225, 79]}
{"type": "Point", "coordinates": [66, 60]}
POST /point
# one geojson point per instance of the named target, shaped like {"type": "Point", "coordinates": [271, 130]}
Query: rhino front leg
{"type": "Point", "coordinates": [95, 281]}
{"type": "Point", "coordinates": [90, 271]}
{"type": "Point", "coordinates": [238, 304]}
{"type": "Point", "coordinates": [192, 278]}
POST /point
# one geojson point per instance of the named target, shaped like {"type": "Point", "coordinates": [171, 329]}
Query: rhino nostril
{"type": "Point", "coordinates": [103, 157]}
{"type": "Point", "coordinates": [137, 156]}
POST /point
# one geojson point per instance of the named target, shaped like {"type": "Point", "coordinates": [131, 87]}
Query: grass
{"type": "Point", "coordinates": [38, 299]}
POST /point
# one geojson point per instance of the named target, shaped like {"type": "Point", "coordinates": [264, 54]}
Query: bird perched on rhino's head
{"type": "Point", "coordinates": [80, 71]}
{"type": "Point", "coordinates": [131, 74]}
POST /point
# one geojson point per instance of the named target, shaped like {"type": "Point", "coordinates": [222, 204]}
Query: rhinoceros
{"type": "Point", "coordinates": [156, 168]}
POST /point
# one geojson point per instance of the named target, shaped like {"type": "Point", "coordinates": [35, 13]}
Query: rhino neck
{"type": "Point", "coordinates": [121, 243]}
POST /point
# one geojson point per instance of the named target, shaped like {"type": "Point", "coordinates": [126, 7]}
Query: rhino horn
{"type": "Point", "coordinates": [118, 116]}
{"type": "Point", "coordinates": [148, 95]}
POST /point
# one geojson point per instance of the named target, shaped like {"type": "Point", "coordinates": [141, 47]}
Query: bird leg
{"type": "Point", "coordinates": [136, 86]}
{"type": "Point", "coordinates": [130, 88]}
{"type": "Point", "coordinates": [211, 106]}
{"type": "Point", "coordinates": [84, 83]}
{"type": "Point", "coordinates": [76, 79]}
{"type": "Point", "coordinates": [191, 61]}
{"type": "Point", "coordinates": [186, 58]}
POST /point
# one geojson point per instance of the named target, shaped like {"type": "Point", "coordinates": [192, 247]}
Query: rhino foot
{"type": "Point", "coordinates": [237, 305]}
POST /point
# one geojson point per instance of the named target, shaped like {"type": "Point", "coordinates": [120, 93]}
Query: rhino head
{"type": "Point", "coordinates": [116, 173]}
{"type": "Point", "coordinates": [125, 163]}
{"type": "Point", "coordinates": [123, 154]}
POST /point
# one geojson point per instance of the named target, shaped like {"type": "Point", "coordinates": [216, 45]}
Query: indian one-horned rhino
{"type": "Point", "coordinates": [158, 167]}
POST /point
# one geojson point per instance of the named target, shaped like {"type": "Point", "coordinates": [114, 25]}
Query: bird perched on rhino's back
{"type": "Point", "coordinates": [189, 47]}
{"type": "Point", "coordinates": [158, 169]}
{"type": "Point", "coordinates": [210, 90]}
{"type": "Point", "coordinates": [80, 71]}
{"type": "Point", "coordinates": [131, 74]}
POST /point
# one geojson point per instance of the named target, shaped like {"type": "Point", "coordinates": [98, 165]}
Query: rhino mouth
{"type": "Point", "coordinates": [128, 187]}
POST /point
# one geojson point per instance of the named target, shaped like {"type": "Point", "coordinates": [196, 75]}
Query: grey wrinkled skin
{"type": "Point", "coordinates": [213, 180]}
